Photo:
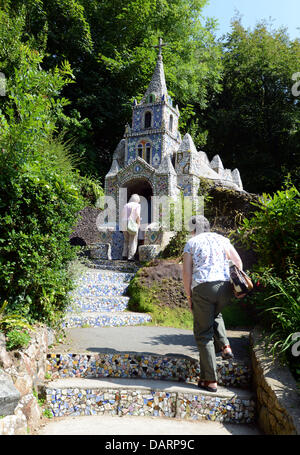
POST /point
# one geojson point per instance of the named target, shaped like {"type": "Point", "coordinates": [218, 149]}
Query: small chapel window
{"type": "Point", "coordinates": [140, 150]}
{"type": "Point", "coordinates": [148, 120]}
{"type": "Point", "coordinates": [148, 153]}
{"type": "Point", "coordinates": [171, 123]}
{"type": "Point", "coordinates": [151, 98]}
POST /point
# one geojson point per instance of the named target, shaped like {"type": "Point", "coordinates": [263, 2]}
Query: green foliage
{"type": "Point", "coordinates": [39, 194]}
{"type": "Point", "coordinates": [140, 298]}
{"type": "Point", "coordinates": [254, 122]}
{"type": "Point", "coordinates": [91, 189]}
{"type": "Point", "coordinates": [14, 326]}
{"type": "Point", "coordinates": [274, 230]}
{"type": "Point", "coordinates": [17, 339]}
{"type": "Point", "coordinates": [47, 413]}
{"type": "Point", "coordinates": [12, 320]}
{"type": "Point", "coordinates": [176, 245]}
{"type": "Point", "coordinates": [236, 315]}
{"type": "Point", "coordinates": [144, 300]}
{"type": "Point", "coordinates": [110, 46]}
{"type": "Point", "coordinates": [281, 308]}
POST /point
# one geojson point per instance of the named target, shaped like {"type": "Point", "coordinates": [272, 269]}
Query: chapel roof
{"type": "Point", "coordinates": [157, 85]}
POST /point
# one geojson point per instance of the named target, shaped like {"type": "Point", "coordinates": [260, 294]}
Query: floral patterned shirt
{"type": "Point", "coordinates": [209, 257]}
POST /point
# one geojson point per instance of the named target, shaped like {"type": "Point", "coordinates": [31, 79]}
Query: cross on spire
{"type": "Point", "coordinates": [160, 46]}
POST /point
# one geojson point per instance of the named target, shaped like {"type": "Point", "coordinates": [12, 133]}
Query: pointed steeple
{"type": "Point", "coordinates": [157, 85]}
{"type": "Point", "coordinates": [216, 164]}
{"type": "Point", "coordinates": [166, 166]}
{"type": "Point", "coordinates": [187, 144]}
{"type": "Point", "coordinates": [114, 168]}
{"type": "Point", "coordinates": [237, 178]}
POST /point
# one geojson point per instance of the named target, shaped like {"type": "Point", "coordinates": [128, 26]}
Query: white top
{"type": "Point", "coordinates": [209, 257]}
{"type": "Point", "coordinates": [130, 210]}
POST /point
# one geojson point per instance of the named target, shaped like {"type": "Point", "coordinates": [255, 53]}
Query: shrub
{"type": "Point", "coordinates": [176, 245]}
{"type": "Point", "coordinates": [39, 193]}
{"type": "Point", "coordinates": [90, 189]}
{"type": "Point", "coordinates": [17, 339]}
{"type": "Point", "coordinates": [274, 230]}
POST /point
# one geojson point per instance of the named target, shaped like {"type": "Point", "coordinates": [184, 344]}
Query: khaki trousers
{"type": "Point", "coordinates": [130, 245]}
{"type": "Point", "coordinates": [208, 300]}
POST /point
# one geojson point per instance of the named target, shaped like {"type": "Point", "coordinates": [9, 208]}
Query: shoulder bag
{"type": "Point", "coordinates": [242, 283]}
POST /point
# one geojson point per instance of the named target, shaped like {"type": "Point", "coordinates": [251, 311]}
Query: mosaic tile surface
{"type": "Point", "coordinates": [230, 373]}
{"type": "Point", "coordinates": [197, 406]}
{"type": "Point", "coordinates": [99, 298]}
{"type": "Point", "coordinates": [98, 304]}
{"type": "Point", "coordinates": [127, 401]}
{"type": "Point", "coordinates": [114, 319]}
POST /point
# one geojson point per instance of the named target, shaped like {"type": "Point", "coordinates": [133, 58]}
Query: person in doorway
{"type": "Point", "coordinates": [207, 285]}
{"type": "Point", "coordinates": [131, 210]}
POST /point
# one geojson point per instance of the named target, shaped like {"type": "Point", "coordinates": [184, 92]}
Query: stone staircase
{"type": "Point", "coordinates": [100, 300]}
{"type": "Point", "coordinates": [107, 380]}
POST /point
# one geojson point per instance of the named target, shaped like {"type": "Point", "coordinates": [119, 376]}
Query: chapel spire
{"type": "Point", "coordinates": [157, 86]}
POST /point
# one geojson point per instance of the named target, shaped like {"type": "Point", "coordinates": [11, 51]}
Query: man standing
{"type": "Point", "coordinates": [207, 285]}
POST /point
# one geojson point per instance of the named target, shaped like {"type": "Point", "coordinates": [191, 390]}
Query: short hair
{"type": "Point", "coordinates": [135, 198]}
{"type": "Point", "coordinates": [199, 224]}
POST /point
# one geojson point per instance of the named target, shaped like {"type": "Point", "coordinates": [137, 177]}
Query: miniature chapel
{"type": "Point", "coordinates": [153, 159]}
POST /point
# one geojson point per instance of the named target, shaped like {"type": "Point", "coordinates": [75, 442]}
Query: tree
{"type": "Point", "coordinates": [254, 122]}
{"type": "Point", "coordinates": [39, 192]}
{"type": "Point", "coordinates": [110, 48]}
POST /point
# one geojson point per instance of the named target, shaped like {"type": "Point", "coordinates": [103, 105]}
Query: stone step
{"type": "Point", "coordinates": [144, 366]}
{"type": "Point", "coordinates": [99, 276]}
{"type": "Point", "coordinates": [115, 265]}
{"type": "Point", "coordinates": [76, 396]}
{"type": "Point", "coordinates": [98, 304]}
{"type": "Point", "coordinates": [105, 319]}
{"type": "Point", "coordinates": [100, 290]}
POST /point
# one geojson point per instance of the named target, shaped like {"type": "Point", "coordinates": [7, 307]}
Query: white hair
{"type": "Point", "coordinates": [135, 198]}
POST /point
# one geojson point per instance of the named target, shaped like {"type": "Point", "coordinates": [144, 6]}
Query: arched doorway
{"type": "Point", "coordinates": [143, 188]}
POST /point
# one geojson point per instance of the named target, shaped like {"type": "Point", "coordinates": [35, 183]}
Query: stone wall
{"type": "Point", "coordinates": [278, 402]}
{"type": "Point", "coordinates": [20, 373]}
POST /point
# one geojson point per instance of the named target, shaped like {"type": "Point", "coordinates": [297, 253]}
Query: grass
{"type": "Point", "coordinates": [47, 413]}
{"type": "Point", "coordinates": [145, 300]}
{"type": "Point", "coordinates": [171, 317]}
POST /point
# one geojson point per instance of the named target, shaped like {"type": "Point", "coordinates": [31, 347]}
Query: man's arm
{"type": "Point", "coordinates": [187, 276]}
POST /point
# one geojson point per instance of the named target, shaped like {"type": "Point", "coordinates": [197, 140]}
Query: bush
{"type": "Point", "coordinates": [176, 245]}
{"type": "Point", "coordinates": [17, 339]}
{"type": "Point", "coordinates": [273, 232]}
{"type": "Point", "coordinates": [39, 193]}
{"type": "Point", "coordinates": [90, 189]}
{"type": "Point", "coordinates": [35, 251]}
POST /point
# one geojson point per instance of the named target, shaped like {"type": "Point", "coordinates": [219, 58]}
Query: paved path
{"type": "Point", "coordinates": [146, 339]}
{"type": "Point", "coordinates": [111, 425]}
